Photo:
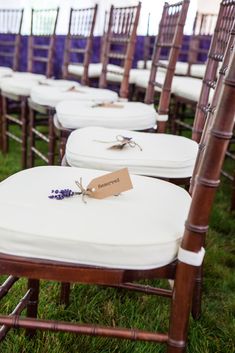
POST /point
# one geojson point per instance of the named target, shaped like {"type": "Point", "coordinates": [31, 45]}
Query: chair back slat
{"type": "Point", "coordinates": [210, 112]}
{"type": "Point", "coordinates": [42, 34]}
{"type": "Point", "coordinates": [169, 39]}
{"type": "Point", "coordinates": [224, 26]}
{"type": "Point", "coordinates": [79, 40]}
{"type": "Point", "coordinates": [120, 39]}
{"type": "Point", "coordinates": [10, 30]}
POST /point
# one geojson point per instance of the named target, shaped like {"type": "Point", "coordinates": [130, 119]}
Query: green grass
{"type": "Point", "coordinates": [213, 333]}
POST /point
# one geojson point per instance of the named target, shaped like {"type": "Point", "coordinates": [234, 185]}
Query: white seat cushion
{"type": "Point", "coordinates": [18, 87]}
{"type": "Point", "coordinates": [28, 76]}
{"type": "Point", "coordinates": [130, 115]}
{"type": "Point", "coordinates": [59, 83]}
{"type": "Point", "coordinates": [187, 87]}
{"type": "Point", "coordinates": [162, 155]}
{"type": "Point", "coordinates": [142, 78]}
{"type": "Point", "coordinates": [140, 229]}
{"type": "Point", "coordinates": [140, 64]}
{"type": "Point", "coordinates": [5, 71]}
{"type": "Point", "coordinates": [180, 69]}
{"type": "Point", "coordinates": [50, 96]}
{"type": "Point", "coordinates": [198, 70]}
{"type": "Point", "coordinates": [94, 70]}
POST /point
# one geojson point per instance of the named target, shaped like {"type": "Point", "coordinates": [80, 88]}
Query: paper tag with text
{"type": "Point", "coordinates": [110, 184]}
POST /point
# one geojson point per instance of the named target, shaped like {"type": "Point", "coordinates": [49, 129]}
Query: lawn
{"type": "Point", "coordinates": [214, 332]}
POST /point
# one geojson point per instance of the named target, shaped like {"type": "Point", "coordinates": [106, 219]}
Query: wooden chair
{"type": "Point", "coordinates": [121, 31]}
{"type": "Point", "coordinates": [10, 30]}
{"type": "Point", "coordinates": [80, 33]}
{"type": "Point", "coordinates": [183, 267]}
{"type": "Point", "coordinates": [203, 29]}
{"type": "Point", "coordinates": [186, 91]}
{"type": "Point", "coordinates": [128, 116]}
{"type": "Point", "coordinates": [15, 90]}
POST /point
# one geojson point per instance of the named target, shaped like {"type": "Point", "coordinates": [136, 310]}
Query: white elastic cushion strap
{"type": "Point", "coordinates": [190, 257]}
{"type": "Point", "coordinates": [162, 117]}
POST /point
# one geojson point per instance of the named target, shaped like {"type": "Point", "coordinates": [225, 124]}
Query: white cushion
{"type": "Point", "coordinates": [5, 71]}
{"type": "Point", "coordinates": [28, 76]}
{"type": "Point", "coordinates": [140, 229]}
{"type": "Point", "coordinates": [142, 79]}
{"type": "Point", "coordinates": [18, 87]}
{"type": "Point", "coordinates": [180, 69]}
{"type": "Point", "coordinates": [140, 64]}
{"type": "Point", "coordinates": [131, 115]}
{"type": "Point", "coordinates": [94, 70]}
{"type": "Point", "coordinates": [162, 155]}
{"type": "Point", "coordinates": [50, 96]}
{"type": "Point", "coordinates": [59, 83]}
{"type": "Point", "coordinates": [187, 87]}
{"type": "Point", "coordinates": [198, 70]}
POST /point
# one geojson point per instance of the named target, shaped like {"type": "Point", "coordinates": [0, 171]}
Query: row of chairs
{"type": "Point", "coordinates": [165, 86]}
{"type": "Point", "coordinates": [98, 252]}
{"type": "Point", "coordinates": [79, 39]}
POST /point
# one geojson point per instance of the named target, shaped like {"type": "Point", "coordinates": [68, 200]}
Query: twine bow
{"type": "Point", "coordinates": [122, 142]}
{"type": "Point", "coordinates": [84, 192]}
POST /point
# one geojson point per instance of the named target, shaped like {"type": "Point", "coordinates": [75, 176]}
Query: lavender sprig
{"type": "Point", "coordinates": [61, 194]}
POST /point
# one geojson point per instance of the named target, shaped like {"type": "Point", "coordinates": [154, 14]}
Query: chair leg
{"type": "Point", "coordinates": [24, 131]}
{"type": "Point", "coordinates": [232, 207]}
{"type": "Point", "coordinates": [62, 143]}
{"type": "Point", "coordinates": [31, 137]}
{"type": "Point", "coordinates": [197, 295]}
{"type": "Point", "coordinates": [181, 307]}
{"type": "Point", "coordinates": [64, 294]}
{"type": "Point", "coordinates": [52, 137]}
{"type": "Point", "coordinates": [5, 139]}
{"type": "Point", "coordinates": [32, 307]}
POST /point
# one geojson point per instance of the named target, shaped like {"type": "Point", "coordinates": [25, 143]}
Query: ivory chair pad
{"type": "Point", "coordinates": [188, 87]}
{"type": "Point", "coordinates": [50, 96]}
{"type": "Point", "coordinates": [198, 70]}
{"type": "Point", "coordinates": [162, 155]}
{"type": "Point", "coordinates": [180, 69]}
{"type": "Point", "coordinates": [18, 87]}
{"type": "Point", "coordinates": [5, 71]}
{"type": "Point", "coordinates": [142, 78]}
{"type": "Point", "coordinates": [140, 229]}
{"type": "Point", "coordinates": [131, 115]}
{"type": "Point", "coordinates": [59, 83]}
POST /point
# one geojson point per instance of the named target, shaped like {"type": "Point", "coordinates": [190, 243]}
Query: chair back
{"type": "Point", "coordinates": [10, 32]}
{"type": "Point", "coordinates": [203, 29]}
{"type": "Point", "coordinates": [168, 41]}
{"type": "Point", "coordinates": [41, 43]}
{"type": "Point", "coordinates": [79, 40]}
{"type": "Point", "coordinates": [224, 26]}
{"type": "Point", "coordinates": [120, 44]}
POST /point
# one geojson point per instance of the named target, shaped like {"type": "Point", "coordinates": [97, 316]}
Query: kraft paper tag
{"type": "Point", "coordinates": [108, 105]}
{"type": "Point", "coordinates": [110, 184]}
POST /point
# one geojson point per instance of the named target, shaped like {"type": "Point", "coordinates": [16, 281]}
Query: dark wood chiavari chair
{"type": "Point", "coordinates": [183, 269]}
{"type": "Point", "coordinates": [81, 30]}
{"type": "Point", "coordinates": [43, 27]}
{"type": "Point", "coordinates": [121, 31]}
{"type": "Point", "coordinates": [224, 25]}
{"type": "Point", "coordinates": [10, 31]}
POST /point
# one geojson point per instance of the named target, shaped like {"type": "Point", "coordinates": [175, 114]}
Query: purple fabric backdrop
{"type": "Point", "coordinates": [60, 41]}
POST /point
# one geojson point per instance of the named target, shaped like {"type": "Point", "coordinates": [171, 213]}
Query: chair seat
{"type": "Point", "coordinates": [198, 70]}
{"type": "Point", "coordinates": [28, 76]}
{"type": "Point", "coordinates": [94, 70]}
{"type": "Point", "coordinates": [130, 115]}
{"type": "Point", "coordinates": [141, 78]}
{"type": "Point", "coordinates": [50, 96]}
{"type": "Point", "coordinates": [5, 71]}
{"type": "Point", "coordinates": [162, 155]}
{"type": "Point", "coordinates": [187, 87]}
{"type": "Point", "coordinates": [18, 87]}
{"type": "Point", "coordinates": [59, 83]}
{"type": "Point", "coordinates": [139, 229]}
{"type": "Point", "coordinates": [180, 69]}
